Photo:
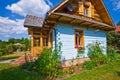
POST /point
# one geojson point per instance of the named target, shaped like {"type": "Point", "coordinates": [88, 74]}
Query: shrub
{"type": "Point", "coordinates": [49, 62]}
{"type": "Point", "coordinates": [31, 66]}
{"type": "Point", "coordinates": [88, 65]}
{"type": "Point", "coordinates": [71, 70]}
{"type": "Point", "coordinates": [103, 59]}
{"type": "Point", "coordinates": [95, 50]}
{"type": "Point", "coordinates": [97, 57]}
{"type": "Point", "coordinates": [60, 72]}
{"type": "Point", "coordinates": [112, 53]}
{"type": "Point", "coordinates": [10, 48]}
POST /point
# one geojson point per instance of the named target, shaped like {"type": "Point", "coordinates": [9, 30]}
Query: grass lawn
{"type": "Point", "coordinates": [11, 56]}
{"type": "Point", "coordinates": [9, 72]}
{"type": "Point", "coordinates": [106, 72]}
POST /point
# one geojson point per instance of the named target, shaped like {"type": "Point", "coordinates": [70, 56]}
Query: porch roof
{"type": "Point", "coordinates": [33, 21]}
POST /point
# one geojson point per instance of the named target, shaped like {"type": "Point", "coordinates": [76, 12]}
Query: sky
{"type": "Point", "coordinates": [13, 12]}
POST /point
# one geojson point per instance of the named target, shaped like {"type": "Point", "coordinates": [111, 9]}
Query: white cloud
{"type": "Point", "coordinates": [33, 7]}
{"type": "Point", "coordinates": [116, 4]}
{"type": "Point", "coordinates": [8, 26]}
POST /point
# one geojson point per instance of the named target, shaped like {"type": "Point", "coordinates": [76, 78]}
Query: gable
{"type": "Point", "coordinates": [95, 9]}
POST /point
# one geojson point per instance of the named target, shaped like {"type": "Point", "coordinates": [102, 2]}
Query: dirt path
{"type": "Point", "coordinates": [6, 61]}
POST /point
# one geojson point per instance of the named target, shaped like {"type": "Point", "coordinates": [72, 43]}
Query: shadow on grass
{"type": "Point", "coordinates": [7, 58]}
{"type": "Point", "coordinates": [16, 73]}
{"type": "Point", "coordinates": [118, 73]}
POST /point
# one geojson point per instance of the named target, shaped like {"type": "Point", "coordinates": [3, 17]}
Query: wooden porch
{"type": "Point", "coordinates": [40, 39]}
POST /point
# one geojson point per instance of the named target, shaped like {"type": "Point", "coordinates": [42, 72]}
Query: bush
{"type": "Point", "coordinates": [103, 59]}
{"type": "Point", "coordinates": [89, 65]}
{"type": "Point", "coordinates": [10, 48]}
{"type": "Point", "coordinates": [97, 57]}
{"type": "Point", "coordinates": [49, 62]}
{"type": "Point", "coordinates": [95, 50]}
{"type": "Point", "coordinates": [112, 53]}
{"type": "Point", "coordinates": [71, 70]}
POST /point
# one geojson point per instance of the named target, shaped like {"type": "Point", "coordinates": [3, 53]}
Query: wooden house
{"type": "Point", "coordinates": [74, 23]}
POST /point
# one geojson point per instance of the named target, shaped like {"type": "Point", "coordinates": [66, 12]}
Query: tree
{"type": "Point", "coordinates": [11, 40]}
{"type": "Point", "coordinates": [113, 39]}
{"type": "Point", "coordinates": [8, 47]}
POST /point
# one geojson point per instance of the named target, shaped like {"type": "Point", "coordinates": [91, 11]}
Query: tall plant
{"type": "Point", "coordinates": [49, 62]}
{"type": "Point", "coordinates": [94, 50]}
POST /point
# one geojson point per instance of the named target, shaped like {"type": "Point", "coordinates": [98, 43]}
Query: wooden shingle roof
{"type": "Point", "coordinates": [33, 21]}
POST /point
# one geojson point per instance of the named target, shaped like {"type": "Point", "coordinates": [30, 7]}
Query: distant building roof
{"type": "Point", "coordinates": [18, 44]}
{"type": "Point", "coordinates": [33, 21]}
{"type": "Point", "coordinates": [117, 29]}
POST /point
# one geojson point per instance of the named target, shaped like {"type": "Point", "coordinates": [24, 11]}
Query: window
{"type": "Point", "coordinates": [36, 42]}
{"type": "Point", "coordinates": [45, 41]}
{"type": "Point", "coordinates": [86, 11]}
{"type": "Point", "coordinates": [79, 38]}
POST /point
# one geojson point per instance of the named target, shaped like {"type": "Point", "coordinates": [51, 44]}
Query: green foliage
{"type": "Point", "coordinates": [95, 50]}
{"type": "Point", "coordinates": [11, 56]}
{"type": "Point", "coordinates": [80, 52]}
{"type": "Point", "coordinates": [113, 40]}
{"type": "Point", "coordinates": [8, 47]}
{"type": "Point", "coordinates": [47, 64]}
{"type": "Point", "coordinates": [71, 70]}
{"type": "Point", "coordinates": [31, 66]}
{"type": "Point", "coordinates": [90, 64]}
{"type": "Point", "coordinates": [13, 72]}
{"type": "Point", "coordinates": [112, 53]}
{"type": "Point", "coordinates": [97, 57]}
{"type": "Point", "coordinates": [60, 72]}
{"type": "Point", "coordinates": [1, 53]}
{"type": "Point", "coordinates": [105, 72]}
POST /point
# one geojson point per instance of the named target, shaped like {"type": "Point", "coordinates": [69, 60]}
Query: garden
{"type": "Point", "coordinates": [48, 65]}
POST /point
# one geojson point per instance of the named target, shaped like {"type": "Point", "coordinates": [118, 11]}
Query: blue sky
{"type": "Point", "coordinates": [12, 14]}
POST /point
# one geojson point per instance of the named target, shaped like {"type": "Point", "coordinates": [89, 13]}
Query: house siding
{"type": "Point", "coordinates": [65, 35]}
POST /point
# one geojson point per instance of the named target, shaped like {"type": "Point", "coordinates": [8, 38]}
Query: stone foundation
{"type": "Point", "coordinates": [74, 62]}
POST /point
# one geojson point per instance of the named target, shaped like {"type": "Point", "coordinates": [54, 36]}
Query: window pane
{"type": "Point", "coordinates": [78, 38]}
{"type": "Point", "coordinates": [45, 41]}
{"type": "Point", "coordinates": [36, 41]}
{"type": "Point", "coordinates": [86, 11]}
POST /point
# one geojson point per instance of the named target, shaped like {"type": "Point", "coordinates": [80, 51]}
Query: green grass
{"type": "Point", "coordinates": [10, 72]}
{"type": "Point", "coordinates": [11, 56]}
{"type": "Point", "coordinates": [105, 72]}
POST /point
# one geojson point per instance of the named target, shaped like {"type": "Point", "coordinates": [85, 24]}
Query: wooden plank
{"type": "Point", "coordinates": [75, 21]}
{"type": "Point", "coordinates": [64, 19]}
{"type": "Point", "coordinates": [53, 16]}
{"type": "Point", "coordinates": [51, 22]}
